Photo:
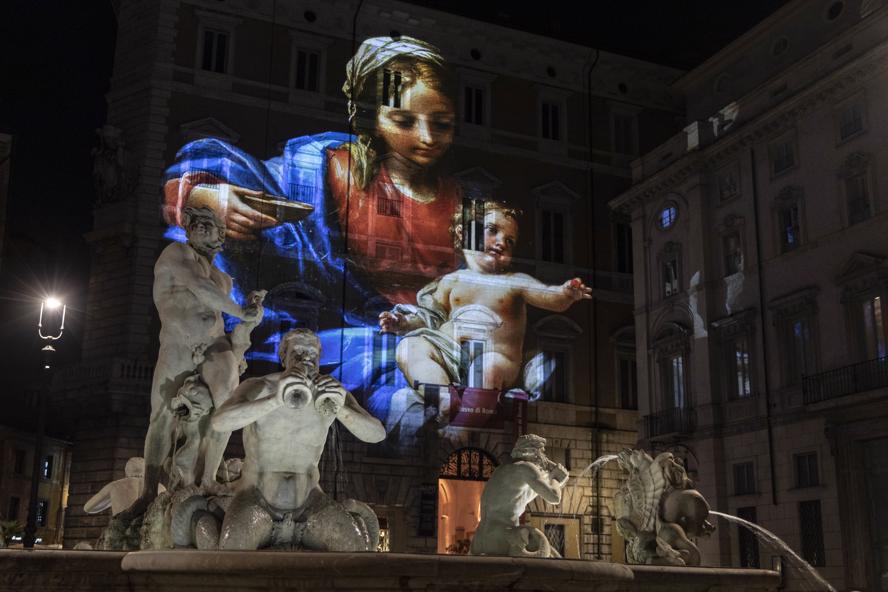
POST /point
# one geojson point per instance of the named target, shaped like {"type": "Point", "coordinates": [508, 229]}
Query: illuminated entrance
{"type": "Point", "coordinates": [459, 498]}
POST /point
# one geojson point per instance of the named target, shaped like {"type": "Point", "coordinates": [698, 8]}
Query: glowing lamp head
{"type": "Point", "coordinates": [52, 303]}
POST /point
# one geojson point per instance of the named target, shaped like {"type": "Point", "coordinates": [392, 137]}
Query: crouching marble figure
{"type": "Point", "coordinates": [507, 493]}
{"type": "Point", "coordinates": [285, 417]}
{"type": "Point", "coordinates": [657, 510]}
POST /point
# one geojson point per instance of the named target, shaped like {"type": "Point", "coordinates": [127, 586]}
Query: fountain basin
{"type": "Point", "coordinates": [192, 570]}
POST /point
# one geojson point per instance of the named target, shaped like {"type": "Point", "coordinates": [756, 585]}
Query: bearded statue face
{"type": "Point", "coordinates": [204, 230]}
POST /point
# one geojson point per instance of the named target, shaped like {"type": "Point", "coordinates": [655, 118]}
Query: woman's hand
{"type": "Point", "coordinates": [241, 221]}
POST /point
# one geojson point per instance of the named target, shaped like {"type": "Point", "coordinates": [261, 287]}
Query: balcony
{"type": "Point", "coordinates": [677, 421]}
{"type": "Point", "coordinates": [847, 380]}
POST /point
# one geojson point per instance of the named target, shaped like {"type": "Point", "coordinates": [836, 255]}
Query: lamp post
{"type": "Point", "coordinates": [49, 304]}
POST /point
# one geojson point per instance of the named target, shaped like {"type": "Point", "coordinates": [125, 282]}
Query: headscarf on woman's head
{"type": "Point", "coordinates": [376, 52]}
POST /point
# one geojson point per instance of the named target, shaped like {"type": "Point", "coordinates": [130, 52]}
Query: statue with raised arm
{"type": "Point", "coordinates": [285, 417]}
{"type": "Point", "coordinates": [507, 493]}
{"type": "Point", "coordinates": [191, 294]}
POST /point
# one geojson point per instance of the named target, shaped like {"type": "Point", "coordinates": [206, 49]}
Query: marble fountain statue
{"type": "Point", "coordinates": [203, 531]}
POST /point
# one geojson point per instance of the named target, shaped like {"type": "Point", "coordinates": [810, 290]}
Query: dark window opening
{"type": "Point", "coordinates": [215, 51]}
{"type": "Point", "coordinates": [811, 528]}
{"type": "Point", "coordinates": [307, 69]}
{"type": "Point", "coordinates": [744, 478]}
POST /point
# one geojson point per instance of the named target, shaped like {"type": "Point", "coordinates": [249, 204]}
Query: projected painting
{"type": "Point", "coordinates": [363, 236]}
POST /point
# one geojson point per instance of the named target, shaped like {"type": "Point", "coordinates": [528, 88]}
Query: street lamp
{"type": "Point", "coordinates": [51, 303]}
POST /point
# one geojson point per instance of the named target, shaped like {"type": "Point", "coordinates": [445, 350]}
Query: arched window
{"type": "Point", "coordinates": [468, 464]}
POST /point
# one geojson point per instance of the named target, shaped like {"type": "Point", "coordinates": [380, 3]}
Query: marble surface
{"type": "Point", "coordinates": [192, 570]}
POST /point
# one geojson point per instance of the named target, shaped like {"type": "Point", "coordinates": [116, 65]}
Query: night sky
{"type": "Point", "coordinates": [56, 59]}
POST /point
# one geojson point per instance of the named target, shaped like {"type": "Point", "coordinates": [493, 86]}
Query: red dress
{"type": "Point", "coordinates": [397, 244]}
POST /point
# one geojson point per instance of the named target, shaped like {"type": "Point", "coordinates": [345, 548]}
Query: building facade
{"type": "Point", "coordinates": [760, 245]}
{"type": "Point", "coordinates": [543, 125]}
{"type": "Point", "coordinates": [17, 455]}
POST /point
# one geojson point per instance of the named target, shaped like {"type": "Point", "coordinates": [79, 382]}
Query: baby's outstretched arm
{"type": "Point", "coordinates": [554, 298]}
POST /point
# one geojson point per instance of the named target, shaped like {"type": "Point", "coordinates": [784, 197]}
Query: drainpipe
{"type": "Point", "coordinates": [593, 311]}
{"type": "Point", "coordinates": [762, 319]}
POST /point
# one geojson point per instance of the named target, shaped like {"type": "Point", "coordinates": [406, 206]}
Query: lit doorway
{"type": "Point", "coordinates": [460, 485]}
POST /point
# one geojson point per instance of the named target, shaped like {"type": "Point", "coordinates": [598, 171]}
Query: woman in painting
{"type": "Point", "coordinates": [380, 226]}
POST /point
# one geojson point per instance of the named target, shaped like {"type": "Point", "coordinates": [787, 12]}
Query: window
{"type": "Point", "coordinates": [46, 468]}
{"type": "Point", "coordinates": [625, 133]}
{"type": "Point", "coordinates": [739, 374]}
{"type": "Point", "coordinates": [550, 123]}
{"type": "Point", "coordinates": [307, 70]}
{"type": "Point", "coordinates": [728, 183]}
{"type": "Point", "coordinates": [850, 120]}
{"type": "Point", "coordinates": [669, 270]}
{"type": "Point", "coordinates": [473, 105]}
{"type": "Point", "coordinates": [674, 381]}
{"type": "Point", "coordinates": [214, 57]}
{"type": "Point", "coordinates": [874, 342]}
{"type": "Point", "coordinates": [384, 346]}
{"type": "Point", "coordinates": [795, 317]}
{"type": "Point", "coordinates": [19, 462]}
{"type": "Point", "coordinates": [800, 359]}
{"type": "Point", "coordinates": [555, 368]}
{"type": "Point", "coordinates": [13, 508]}
{"type": "Point", "coordinates": [627, 381]}
{"type": "Point", "coordinates": [744, 478]}
{"type": "Point", "coordinates": [555, 534]}
{"type": "Point", "coordinates": [42, 512]}
{"type": "Point", "coordinates": [391, 88]}
{"type": "Point", "coordinates": [667, 216]}
{"type": "Point", "coordinates": [748, 544]}
{"type": "Point", "coordinates": [733, 254]}
{"type": "Point", "coordinates": [782, 155]}
{"type": "Point", "coordinates": [788, 210]}
{"type": "Point", "coordinates": [471, 366]}
{"type": "Point", "coordinates": [854, 173]}
{"type": "Point", "coordinates": [811, 529]}
{"type": "Point", "coordinates": [388, 205]}
{"type": "Point", "coordinates": [790, 228]}
{"type": "Point", "coordinates": [857, 195]}
{"type": "Point", "coordinates": [473, 224]}
{"type": "Point", "coordinates": [623, 239]}
{"type": "Point", "coordinates": [806, 472]}
{"type": "Point", "coordinates": [552, 233]}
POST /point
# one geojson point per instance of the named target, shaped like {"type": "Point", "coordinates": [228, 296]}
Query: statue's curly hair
{"type": "Point", "coordinates": [300, 334]}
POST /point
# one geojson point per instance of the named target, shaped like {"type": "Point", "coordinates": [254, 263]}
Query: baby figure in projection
{"type": "Point", "coordinates": [472, 318]}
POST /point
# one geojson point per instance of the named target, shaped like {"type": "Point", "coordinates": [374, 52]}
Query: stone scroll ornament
{"type": "Point", "coordinates": [506, 495]}
{"type": "Point", "coordinates": [658, 511]}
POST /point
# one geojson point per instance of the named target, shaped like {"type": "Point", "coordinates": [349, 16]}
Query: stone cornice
{"type": "Point", "coordinates": [779, 117]}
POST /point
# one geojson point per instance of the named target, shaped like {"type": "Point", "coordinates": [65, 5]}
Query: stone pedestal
{"type": "Point", "coordinates": [190, 570]}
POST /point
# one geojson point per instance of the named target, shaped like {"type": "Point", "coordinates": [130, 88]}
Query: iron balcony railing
{"type": "Point", "coordinates": [847, 380]}
{"type": "Point", "coordinates": [674, 421]}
